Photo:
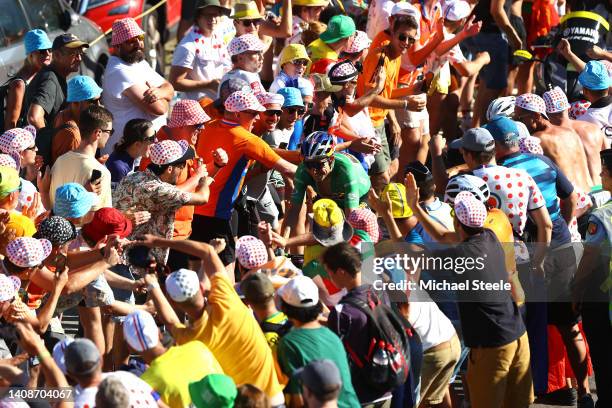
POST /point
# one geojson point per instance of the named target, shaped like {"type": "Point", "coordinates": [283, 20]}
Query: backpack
{"type": "Point", "coordinates": [4, 89]}
{"type": "Point", "coordinates": [44, 140]}
{"type": "Point", "coordinates": [386, 364]}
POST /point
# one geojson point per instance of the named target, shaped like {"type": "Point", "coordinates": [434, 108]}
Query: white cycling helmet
{"type": "Point", "coordinates": [503, 106]}
{"type": "Point", "coordinates": [467, 182]}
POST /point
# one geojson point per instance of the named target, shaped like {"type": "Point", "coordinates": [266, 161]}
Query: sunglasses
{"type": "Point", "coordinates": [251, 112]}
{"type": "Point", "coordinates": [45, 51]}
{"type": "Point", "coordinates": [404, 37]}
{"type": "Point", "coordinates": [302, 62]}
{"type": "Point", "coordinates": [291, 111]}
{"type": "Point", "coordinates": [150, 138]}
{"type": "Point", "coordinates": [109, 131]}
{"type": "Point", "coordinates": [273, 112]}
{"type": "Point", "coordinates": [254, 23]}
{"type": "Point", "coordinates": [316, 164]}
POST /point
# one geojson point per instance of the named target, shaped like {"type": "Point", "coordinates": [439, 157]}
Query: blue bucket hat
{"type": "Point", "coordinates": [594, 76]}
{"type": "Point", "coordinates": [82, 88]}
{"type": "Point", "coordinates": [36, 40]}
{"type": "Point", "coordinates": [503, 129]}
{"type": "Point", "coordinates": [73, 201]}
{"type": "Point", "coordinates": [293, 97]}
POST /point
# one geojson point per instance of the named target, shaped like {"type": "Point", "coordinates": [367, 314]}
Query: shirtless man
{"type": "Point", "coordinates": [593, 139]}
{"type": "Point", "coordinates": [561, 144]}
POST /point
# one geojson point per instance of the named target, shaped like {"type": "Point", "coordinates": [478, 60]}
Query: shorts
{"type": "Point", "coordinates": [410, 119]}
{"type": "Point", "coordinates": [188, 9]}
{"type": "Point", "coordinates": [559, 268]}
{"type": "Point", "coordinates": [519, 26]}
{"type": "Point", "coordinates": [494, 74]}
{"type": "Point", "coordinates": [96, 294]}
{"type": "Point", "coordinates": [206, 228]}
{"type": "Point", "coordinates": [382, 159]}
{"type": "Point", "coordinates": [437, 370]}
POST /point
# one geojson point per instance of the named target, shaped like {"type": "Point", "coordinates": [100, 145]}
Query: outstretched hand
{"type": "Point", "coordinates": [412, 191]}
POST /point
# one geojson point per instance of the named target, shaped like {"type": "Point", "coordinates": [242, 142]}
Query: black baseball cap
{"type": "Point", "coordinates": [419, 171]}
{"type": "Point", "coordinates": [68, 40]}
{"type": "Point", "coordinates": [320, 376]}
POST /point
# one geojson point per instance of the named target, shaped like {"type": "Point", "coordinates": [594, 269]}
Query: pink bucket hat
{"type": "Point", "coordinates": [360, 42]}
{"type": "Point", "coordinates": [251, 252]}
{"type": "Point", "coordinates": [244, 43]}
{"type": "Point", "coordinates": [9, 160]}
{"type": "Point", "coordinates": [242, 101]}
{"type": "Point", "coordinates": [9, 285]}
{"type": "Point", "coordinates": [365, 220]}
{"type": "Point", "coordinates": [555, 100]}
{"type": "Point", "coordinates": [125, 29]}
{"type": "Point", "coordinates": [16, 140]}
{"type": "Point", "coordinates": [578, 108]}
{"type": "Point", "coordinates": [187, 112]}
{"type": "Point", "coordinates": [532, 103]}
{"type": "Point", "coordinates": [27, 252]}
{"type": "Point", "coordinates": [266, 98]}
{"type": "Point", "coordinates": [170, 151]}
{"type": "Point", "coordinates": [469, 210]}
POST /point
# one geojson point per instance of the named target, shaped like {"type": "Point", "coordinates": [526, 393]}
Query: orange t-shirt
{"type": "Point", "coordinates": [391, 67]}
{"type": "Point", "coordinates": [242, 148]}
{"type": "Point", "coordinates": [184, 215]}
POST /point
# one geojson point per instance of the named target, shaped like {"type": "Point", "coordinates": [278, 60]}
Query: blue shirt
{"type": "Point", "coordinates": [552, 183]}
{"type": "Point", "coordinates": [120, 164]}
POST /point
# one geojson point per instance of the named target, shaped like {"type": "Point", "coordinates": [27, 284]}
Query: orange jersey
{"type": "Point", "coordinates": [242, 148]}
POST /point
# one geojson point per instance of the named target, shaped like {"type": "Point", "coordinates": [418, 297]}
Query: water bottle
{"type": "Point", "coordinates": [380, 363]}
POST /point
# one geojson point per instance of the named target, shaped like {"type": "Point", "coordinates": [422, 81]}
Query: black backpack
{"type": "Point", "coordinates": [4, 88]}
{"type": "Point", "coordinates": [44, 140]}
{"type": "Point", "coordinates": [386, 364]}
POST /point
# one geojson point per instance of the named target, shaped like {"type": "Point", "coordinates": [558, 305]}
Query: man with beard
{"type": "Point", "coordinates": [46, 94]}
{"type": "Point", "coordinates": [132, 89]}
{"type": "Point", "coordinates": [246, 52]}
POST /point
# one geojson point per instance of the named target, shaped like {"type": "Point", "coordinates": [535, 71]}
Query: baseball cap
{"type": "Point", "coordinates": [187, 112]}
{"type": "Point", "coordinates": [201, 4]}
{"type": "Point", "coordinates": [322, 83]}
{"type": "Point", "coordinates": [246, 11]}
{"type": "Point", "coordinates": [503, 129]}
{"type": "Point", "coordinates": [107, 221]}
{"type": "Point", "coordinates": [82, 357]}
{"type": "Point", "coordinates": [182, 284]}
{"type": "Point", "coordinates": [470, 211]}
{"type": "Point", "coordinates": [125, 29]}
{"type": "Point", "coordinates": [36, 40]}
{"type": "Point", "coordinates": [338, 27]}
{"type": "Point", "coordinates": [27, 252]}
{"type": "Point", "coordinates": [140, 330]}
{"type": "Point", "coordinates": [404, 8]}
{"type": "Point", "coordinates": [228, 87]}
{"type": "Point", "coordinates": [328, 224]}
{"type": "Point", "coordinates": [397, 197]}
{"type": "Point", "coordinates": [365, 220]}
{"type": "Point", "coordinates": [419, 171]}
{"type": "Point", "coordinates": [292, 52]}
{"type": "Point", "coordinates": [594, 76]}
{"type": "Point", "coordinates": [300, 291]}
{"type": "Point", "coordinates": [456, 10]}
{"type": "Point", "coordinates": [68, 40]}
{"type": "Point", "coordinates": [267, 98]}
{"type": "Point", "coordinates": [57, 230]}
{"type": "Point", "coordinates": [73, 201]}
{"type": "Point", "coordinates": [9, 181]}
{"type": "Point", "coordinates": [251, 252]}
{"type": "Point", "coordinates": [293, 97]}
{"type": "Point", "coordinates": [58, 352]}
{"type": "Point", "coordinates": [320, 376]}
{"type": "Point", "coordinates": [82, 88]}
{"type": "Point", "coordinates": [555, 100]}
{"type": "Point", "coordinates": [214, 390]}
{"type": "Point", "coordinates": [342, 72]}
{"type": "Point", "coordinates": [257, 288]}
{"type": "Point", "coordinates": [360, 42]}
{"type": "Point", "coordinates": [475, 140]}
{"type": "Point", "coordinates": [243, 101]}
{"type": "Point", "coordinates": [169, 152]}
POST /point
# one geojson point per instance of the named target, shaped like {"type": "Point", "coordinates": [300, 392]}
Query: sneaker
{"type": "Point", "coordinates": [586, 401]}
{"type": "Point", "coordinates": [565, 397]}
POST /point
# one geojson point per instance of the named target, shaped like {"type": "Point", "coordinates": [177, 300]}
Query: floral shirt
{"type": "Point", "coordinates": [144, 191]}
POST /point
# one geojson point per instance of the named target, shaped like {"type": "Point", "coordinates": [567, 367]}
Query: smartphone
{"type": "Point", "coordinates": [95, 175]}
{"type": "Point", "coordinates": [60, 263]}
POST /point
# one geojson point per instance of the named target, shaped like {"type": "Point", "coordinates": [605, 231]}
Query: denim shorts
{"type": "Point", "coordinates": [494, 74]}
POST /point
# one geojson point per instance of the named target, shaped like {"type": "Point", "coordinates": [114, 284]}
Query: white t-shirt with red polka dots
{"type": "Point", "coordinates": [513, 191]}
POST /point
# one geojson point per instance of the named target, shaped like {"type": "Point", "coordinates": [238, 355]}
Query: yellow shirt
{"type": "Point", "coordinates": [170, 374]}
{"type": "Point", "coordinates": [231, 332]}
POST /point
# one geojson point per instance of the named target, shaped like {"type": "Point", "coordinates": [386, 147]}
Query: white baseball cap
{"type": "Point", "coordinates": [300, 291]}
{"type": "Point", "coordinates": [140, 331]}
{"type": "Point", "coordinates": [456, 10]}
{"type": "Point", "coordinates": [182, 285]}
{"type": "Point", "coordinates": [406, 9]}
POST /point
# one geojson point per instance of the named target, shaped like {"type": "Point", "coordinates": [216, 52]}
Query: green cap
{"type": "Point", "coordinates": [339, 27]}
{"type": "Point", "coordinates": [9, 181]}
{"type": "Point", "coordinates": [322, 83]}
{"type": "Point", "coordinates": [214, 390]}
{"type": "Point", "coordinates": [257, 288]}
{"type": "Point", "coordinates": [213, 3]}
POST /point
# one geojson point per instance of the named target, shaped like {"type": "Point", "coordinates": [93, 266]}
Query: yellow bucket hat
{"type": "Point", "coordinates": [246, 11]}
{"type": "Point", "coordinates": [292, 52]}
{"type": "Point", "coordinates": [399, 202]}
{"type": "Point", "coordinates": [329, 226]}
{"type": "Point", "coordinates": [311, 3]}
{"type": "Point", "coordinates": [21, 225]}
